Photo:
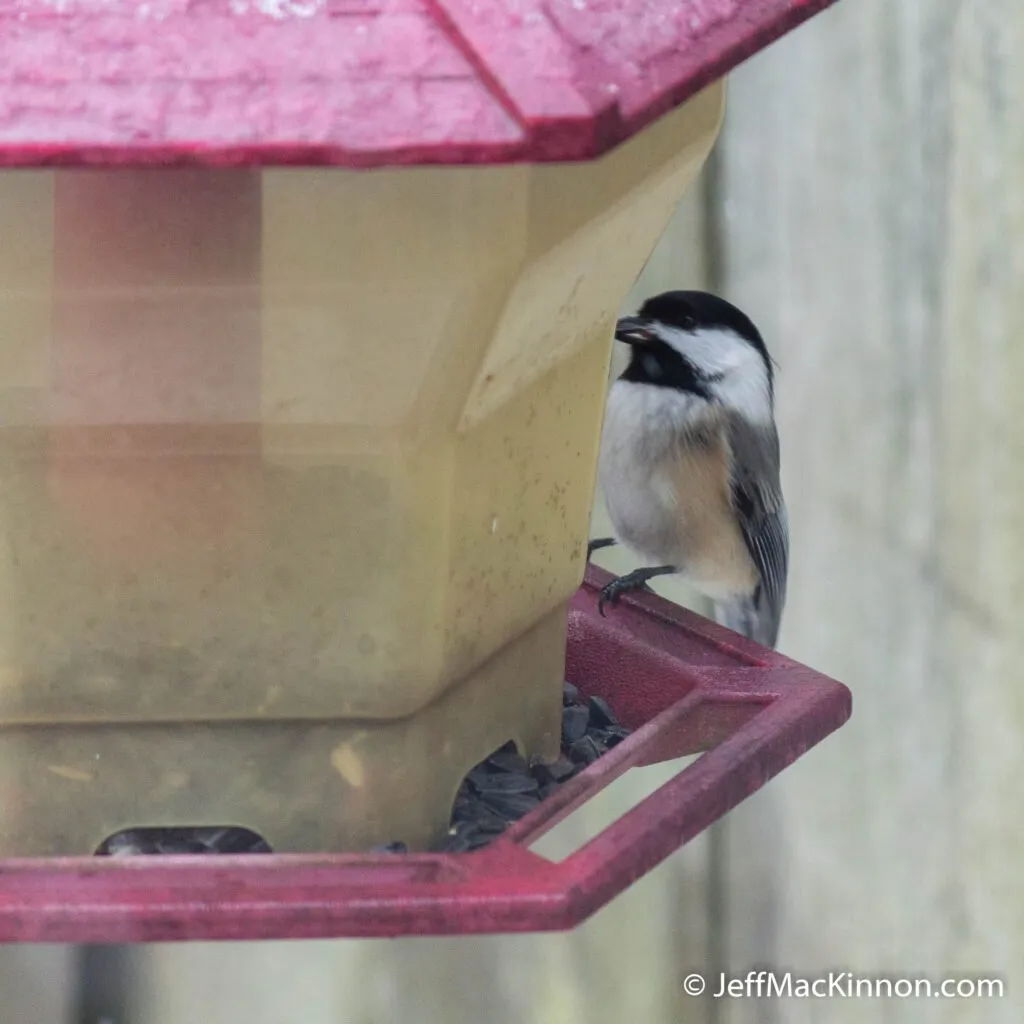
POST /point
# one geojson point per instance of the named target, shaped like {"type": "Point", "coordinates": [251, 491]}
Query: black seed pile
{"type": "Point", "coordinates": [182, 840]}
{"type": "Point", "coordinates": [500, 790]}
{"type": "Point", "coordinates": [504, 787]}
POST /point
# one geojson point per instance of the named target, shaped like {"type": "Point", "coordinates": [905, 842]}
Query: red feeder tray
{"type": "Point", "coordinates": [683, 684]}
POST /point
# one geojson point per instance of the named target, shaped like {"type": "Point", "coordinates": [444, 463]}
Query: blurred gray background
{"type": "Point", "coordinates": [866, 206]}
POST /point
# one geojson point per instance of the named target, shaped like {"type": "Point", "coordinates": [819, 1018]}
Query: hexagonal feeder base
{"type": "Point", "coordinates": [68, 787]}
{"type": "Point", "coordinates": [683, 684]}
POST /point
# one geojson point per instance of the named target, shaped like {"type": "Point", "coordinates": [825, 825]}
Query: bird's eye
{"type": "Point", "coordinates": [688, 322]}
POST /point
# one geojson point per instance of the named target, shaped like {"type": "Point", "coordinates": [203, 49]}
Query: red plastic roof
{"type": "Point", "coordinates": [358, 83]}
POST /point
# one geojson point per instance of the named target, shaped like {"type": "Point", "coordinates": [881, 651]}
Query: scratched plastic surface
{"type": "Point", "coordinates": [290, 453]}
{"type": "Point", "coordinates": [361, 83]}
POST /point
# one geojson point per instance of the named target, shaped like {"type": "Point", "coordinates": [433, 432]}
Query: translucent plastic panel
{"type": "Point", "coordinates": [307, 444]}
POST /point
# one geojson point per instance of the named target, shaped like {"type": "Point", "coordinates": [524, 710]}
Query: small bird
{"type": "Point", "coordinates": [690, 460]}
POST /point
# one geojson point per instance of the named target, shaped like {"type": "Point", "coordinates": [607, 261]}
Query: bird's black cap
{"type": "Point", "coordinates": [692, 311]}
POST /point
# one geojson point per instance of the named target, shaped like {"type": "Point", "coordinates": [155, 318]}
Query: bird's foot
{"type": "Point", "coordinates": [635, 580]}
{"type": "Point", "coordinates": [598, 543]}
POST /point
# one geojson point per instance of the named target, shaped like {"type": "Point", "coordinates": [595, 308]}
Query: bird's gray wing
{"type": "Point", "coordinates": [756, 494]}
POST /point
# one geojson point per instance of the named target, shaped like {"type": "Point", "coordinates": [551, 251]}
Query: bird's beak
{"type": "Point", "coordinates": [634, 330]}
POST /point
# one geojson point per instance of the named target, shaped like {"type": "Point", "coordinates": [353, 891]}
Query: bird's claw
{"type": "Point", "coordinates": [614, 589]}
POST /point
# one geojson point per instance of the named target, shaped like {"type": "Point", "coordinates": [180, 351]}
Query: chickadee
{"type": "Point", "coordinates": [690, 460]}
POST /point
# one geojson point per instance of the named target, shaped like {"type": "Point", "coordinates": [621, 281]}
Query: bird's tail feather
{"type": "Point", "coordinates": [745, 616]}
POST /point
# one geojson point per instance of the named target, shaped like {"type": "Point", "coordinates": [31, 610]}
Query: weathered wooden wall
{"type": "Point", "coordinates": [871, 196]}
{"type": "Point", "coordinates": [37, 984]}
{"type": "Point", "coordinates": [867, 208]}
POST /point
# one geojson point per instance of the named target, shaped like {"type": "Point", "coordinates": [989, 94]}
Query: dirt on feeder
{"type": "Point", "coordinates": [500, 790]}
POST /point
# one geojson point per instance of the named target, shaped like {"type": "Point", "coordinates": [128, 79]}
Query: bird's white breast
{"type": "Point", "coordinates": [665, 466]}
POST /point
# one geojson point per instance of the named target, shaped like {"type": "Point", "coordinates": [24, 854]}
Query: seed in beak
{"type": "Point", "coordinates": [632, 330]}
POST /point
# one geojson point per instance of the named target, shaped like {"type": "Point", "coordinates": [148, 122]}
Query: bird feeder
{"type": "Point", "coordinates": [306, 312]}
